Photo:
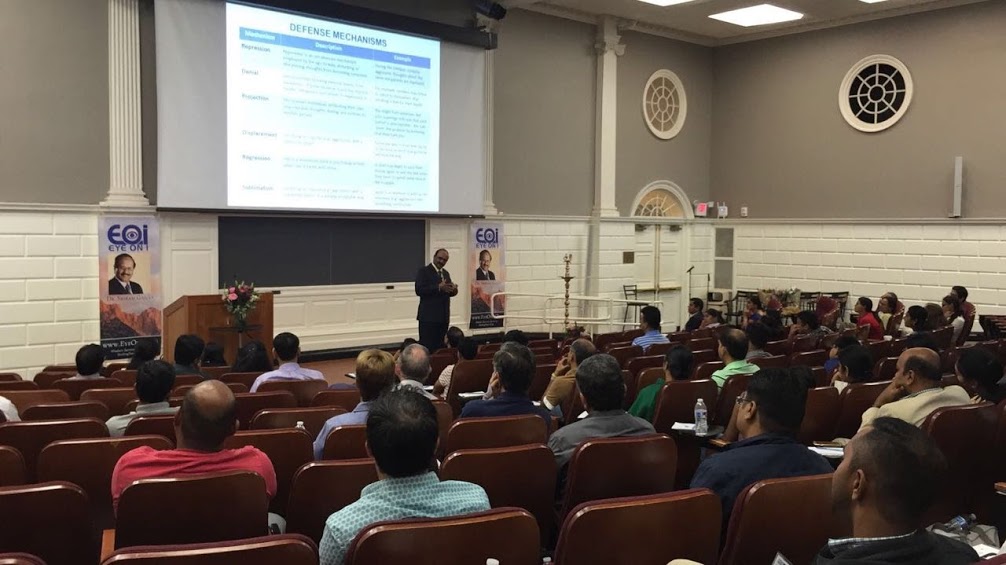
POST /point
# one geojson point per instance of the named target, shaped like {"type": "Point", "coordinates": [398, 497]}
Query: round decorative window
{"type": "Point", "coordinates": [875, 93]}
{"type": "Point", "coordinates": [664, 104]}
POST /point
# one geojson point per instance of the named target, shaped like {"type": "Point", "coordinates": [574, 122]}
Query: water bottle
{"type": "Point", "coordinates": [492, 561]}
{"type": "Point", "coordinates": [701, 418]}
{"type": "Point", "coordinates": [300, 426]}
{"type": "Point", "coordinates": [546, 560]}
{"type": "Point", "coordinates": [961, 523]}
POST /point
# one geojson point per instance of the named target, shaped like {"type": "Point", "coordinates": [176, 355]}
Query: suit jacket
{"type": "Point", "coordinates": [115, 287]}
{"type": "Point", "coordinates": [693, 322]}
{"type": "Point", "coordinates": [434, 306]}
{"type": "Point", "coordinates": [480, 276]}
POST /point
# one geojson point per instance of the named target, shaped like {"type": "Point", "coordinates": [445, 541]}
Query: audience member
{"type": "Point", "coordinates": [768, 416]}
{"type": "Point", "coordinates": [286, 349]}
{"type": "Point", "coordinates": [375, 375]}
{"type": "Point", "coordinates": [516, 336]}
{"type": "Point", "coordinates": [89, 361]}
{"type": "Point", "coordinates": [402, 438]}
{"type": "Point", "coordinates": [891, 474]}
{"type": "Point", "coordinates": [831, 364]}
{"type": "Point", "coordinates": [602, 390]}
{"type": "Point", "coordinates": [563, 380]}
{"type": "Point", "coordinates": [154, 381]}
{"type": "Point", "coordinates": [954, 316]}
{"type": "Point", "coordinates": [915, 390]}
{"type": "Point", "coordinates": [864, 309]}
{"type": "Point", "coordinates": [188, 351]}
{"type": "Point", "coordinates": [207, 418]}
{"type": "Point", "coordinates": [513, 371]}
{"type": "Point", "coordinates": [979, 371]}
{"type": "Point", "coordinates": [467, 350]}
{"type": "Point", "coordinates": [916, 320]}
{"type": "Point", "coordinates": [9, 410]}
{"type": "Point", "coordinates": [677, 367]}
{"type": "Point", "coordinates": [935, 320]}
{"type": "Point", "coordinates": [758, 337]}
{"type": "Point", "coordinates": [962, 295]}
{"type": "Point", "coordinates": [454, 336]}
{"type": "Point", "coordinates": [145, 350]}
{"type": "Point", "coordinates": [855, 364]}
{"type": "Point", "coordinates": [806, 323]}
{"type": "Point", "coordinates": [773, 321]}
{"type": "Point", "coordinates": [753, 311]}
{"type": "Point", "coordinates": [405, 343]}
{"type": "Point", "coordinates": [695, 306]}
{"type": "Point", "coordinates": [213, 356]}
{"type": "Point", "coordinates": [732, 349]}
{"type": "Point", "coordinates": [713, 318]}
{"type": "Point", "coordinates": [649, 322]}
{"type": "Point", "coordinates": [412, 367]}
{"type": "Point", "coordinates": [252, 358]}
{"type": "Point", "coordinates": [922, 339]}
{"type": "Point", "coordinates": [887, 307]}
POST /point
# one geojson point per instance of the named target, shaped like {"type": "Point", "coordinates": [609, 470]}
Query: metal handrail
{"type": "Point", "coordinates": [549, 298]}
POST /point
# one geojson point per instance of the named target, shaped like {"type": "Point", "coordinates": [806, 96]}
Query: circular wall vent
{"type": "Point", "coordinates": [665, 105]}
{"type": "Point", "coordinates": [875, 93]}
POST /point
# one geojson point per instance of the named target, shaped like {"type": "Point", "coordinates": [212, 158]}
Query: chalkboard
{"type": "Point", "coordinates": [320, 251]}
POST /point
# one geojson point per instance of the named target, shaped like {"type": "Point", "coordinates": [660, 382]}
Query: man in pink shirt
{"type": "Point", "coordinates": [205, 420]}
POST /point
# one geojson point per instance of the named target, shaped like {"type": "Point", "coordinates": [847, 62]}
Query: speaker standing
{"type": "Point", "coordinates": [435, 289]}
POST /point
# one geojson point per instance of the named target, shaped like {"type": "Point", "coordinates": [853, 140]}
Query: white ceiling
{"type": "Point", "coordinates": [691, 22]}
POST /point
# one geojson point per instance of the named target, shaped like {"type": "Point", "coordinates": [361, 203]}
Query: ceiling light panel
{"type": "Point", "coordinates": [762, 14]}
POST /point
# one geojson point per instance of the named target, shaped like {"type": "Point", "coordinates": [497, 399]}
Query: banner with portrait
{"type": "Point", "coordinates": [487, 262]}
{"type": "Point", "coordinates": [129, 281]}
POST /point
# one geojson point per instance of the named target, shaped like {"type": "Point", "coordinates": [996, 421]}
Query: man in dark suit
{"type": "Point", "coordinates": [435, 289]}
{"type": "Point", "coordinates": [694, 314]}
{"type": "Point", "coordinates": [121, 283]}
{"type": "Point", "coordinates": [483, 273]}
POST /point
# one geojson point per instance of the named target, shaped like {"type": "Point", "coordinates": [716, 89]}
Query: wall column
{"type": "Point", "coordinates": [489, 25]}
{"type": "Point", "coordinates": [609, 48]}
{"type": "Point", "coordinates": [124, 123]}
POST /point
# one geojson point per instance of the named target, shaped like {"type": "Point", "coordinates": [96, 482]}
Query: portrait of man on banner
{"type": "Point", "coordinates": [129, 270]}
{"type": "Point", "coordinates": [489, 265]}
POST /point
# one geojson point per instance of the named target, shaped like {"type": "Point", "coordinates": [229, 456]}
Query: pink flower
{"type": "Point", "coordinates": [231, 290]}
{"type": "Point", "coordinates": [232, 296]}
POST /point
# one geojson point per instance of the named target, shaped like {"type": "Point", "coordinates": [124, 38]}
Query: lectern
{"type": "Point", "coordinates": [205, 316]}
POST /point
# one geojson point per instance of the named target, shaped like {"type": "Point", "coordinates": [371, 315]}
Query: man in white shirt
{"type": "Point", "coordinates": [286, 348]}
{"type": "Point", "coordinates": [154, 381]}
{"type": "Point", "coordinates": [89, 360]}
{"type": "Point", "coordinates": [413, 368]}
{"type": "Point", "coordinates": [916, 390]}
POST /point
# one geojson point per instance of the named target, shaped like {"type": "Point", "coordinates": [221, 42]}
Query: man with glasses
{"type": "Point", "coordinates": [768, 417]}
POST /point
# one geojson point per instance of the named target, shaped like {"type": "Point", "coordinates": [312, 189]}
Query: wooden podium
{"type": "Point", "coordinates": [205, 316]}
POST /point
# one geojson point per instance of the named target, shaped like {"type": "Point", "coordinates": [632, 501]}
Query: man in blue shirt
{"type": "Point", "coordinates": [649, 322]}
{"type": "Point", "coordinates": [402, 436]}
{"type": "Point", "coordinates": [768, 417]}
{"type": "Point", "coordinates": [513, 371]}
{"type": "Point", "coordinates": [375, 374]}
{"type": "Point", "coordinates": [286, 348]}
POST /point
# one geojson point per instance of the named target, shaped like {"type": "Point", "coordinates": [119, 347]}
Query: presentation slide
{"type": "Point", "coordinates": [330, 116]}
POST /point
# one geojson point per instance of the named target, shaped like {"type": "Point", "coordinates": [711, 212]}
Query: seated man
{"type": "Point", "coordinates": [677, 367]}
{"type": "Point", "coordinates": [732, 348]}
{"type": "Point", "coordinates": [188, 352]}
{"type": "Point", "coordinates": [649, 322]}
{"type": "Point", "coordinates": [768, 416]}
{"type": "Point", "coordinates": [806, 323]}
{"type": "Point", "coordinates": [89, 360]}
{"type": "Point", "coordinates": [154, 381]}
{"type": "Point", "coordinates": [513, 370]}
{"type": "Point", "coordinates": [890, 475]}
{"type": "Point", "coordinates": [412, 367]}
{"type": "Point", "coordinates": [375, 375]}
{"type": "Point", "coordinates": [695, 306]}
{"type": "Point", "coordinates": [916, 390]}
{"type": "Point", "coordinates": [207, 417]}
{"type": "Point", "coordinates": [758, 336]}
{"type": "Point", "coordinates": [563, 380]}
{"type": "Point", "coordinates": [402, 437]}
{"type": "Point", "coordinates": [602, 390]}
{"type": "Point", "coordinates": [286, 348]}
{"type": "Point", "coordinates": [962, 294]}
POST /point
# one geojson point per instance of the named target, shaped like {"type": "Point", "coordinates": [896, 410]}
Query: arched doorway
{"type": "Point", "coordinates": [660, 247]}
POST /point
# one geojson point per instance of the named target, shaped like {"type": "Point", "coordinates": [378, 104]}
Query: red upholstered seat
{"type": "Point", "coordinates": [66, 411]}
{"type": "Point", "coordinates": [822, 410]}
{"type": "Point", "coordinates": [52, 523]}
{"type": "Point", "coordinates": [286, 549]}
{"type": "Point", "coordinates": [313, 418]}
{"type": "Point", "coordinates": [346, 442]}
{"type": "Point", "coordinates": [30, 437]}
{"type": "Point", "coordinates": [247, 379]}
{"type": "Point", "coordinates": [115, 399]}
{"type": "Point", "coordinates": [501, 431]}
{"type": "Point", "coordinates": [346, 398]}
{"type": "Point", "coordinates": [288, 449]}
{"type": "Point", "coordinates": [75, 387]}
{"type": "Point", "coordinates": [303, 391]}
{"type": "Point", "coordinates": [322, 488]}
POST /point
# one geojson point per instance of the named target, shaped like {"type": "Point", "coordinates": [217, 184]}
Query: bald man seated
{"type": "Point", "coordinates": [207, 418]}
{"type": "Point", "coordinates": [916, 390]}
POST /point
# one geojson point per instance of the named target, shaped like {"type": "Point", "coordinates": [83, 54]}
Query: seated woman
{"type": "Point", "coordinates": [806, 323]}
{"type": "Point", "coordinates": [712, 318]}
{"type": "Point", "coordinates": [979, 371]}
{"type": "Point", "coordinates": [146, 350]}
{"type": "Point", "coordinates": [916, 320]}
{"type": "Point", "coordinates": [213, 356]}
{"type": "Point", "coordinates": [855, 365]}
{"type": "Point", "coordinates": [677, 367]}
{"type": "Point", "coordinates": [936, 319]}
{"type": "Point", "coordinates": [467, 349]}
{"type": "Point", "coordinates": [753, 311]}
{"type": "Point", "coordinates": [831, 365]}
{"type": "Point", "coordinates": [864, 308]}
{"type": "Point", "coordinates": [953, 313]}
{"type": "Point", "coordinates": [887, 308]}
{"type": "Point", "coordinates": [773, 321]}
{"type": "Point", "coordinates": [252, 358]}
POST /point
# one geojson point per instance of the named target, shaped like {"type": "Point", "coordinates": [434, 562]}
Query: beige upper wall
{"type": "Point", "coordinates": [642, 157]}
{"type": "Point", "coordinates": [543, 142]}
{"type": "Point", "coordinates": [53, 101]}
{"type": "Point", "coordinates": [781, 147]}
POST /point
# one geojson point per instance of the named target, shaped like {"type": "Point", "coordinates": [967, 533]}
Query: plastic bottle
{"type": "Point", "coordinates": [701, 418]}
{"type": "Point", "coordinates": [961, 523]}
{"type": "Point", "coordinates": [492, 561]}
{"type": "Point", "coordinates": [546, 560]}
{"type": "Point", "coordinates": [300, 426]}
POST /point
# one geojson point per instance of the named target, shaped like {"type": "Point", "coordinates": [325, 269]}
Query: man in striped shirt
{"type": "Point", "coordinates": [649, 322]}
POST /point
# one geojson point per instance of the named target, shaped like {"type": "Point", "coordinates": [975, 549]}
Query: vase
{"type": "Point", "coordinates": [240, 320]}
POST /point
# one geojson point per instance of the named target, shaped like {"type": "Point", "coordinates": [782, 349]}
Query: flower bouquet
{"type": "Point", "coordinates": [239, 300]}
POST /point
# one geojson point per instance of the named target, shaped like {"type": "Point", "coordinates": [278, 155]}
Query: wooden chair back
{"type": "Point", "coordinates": [20, 559]}
{"type": "Point", "coordinates": [782, 347]}
{"type": "Point", "coordinates": [451, 539]}
{"type": "Point", "coordinates": [65, 411]}
{"type": "Point", "coordinates": [855, 399]}
{"type": "Point", "coordinates": [52, 523]}
{"type": "Point", "coordinates": [279, 418]}
{"type": "Point", "coordinates": [346, 442]}
{"type": "Point", "coordinates": [249, 403]}
{"type": "Point", "coordinates": [163, 426]}
{"type": "Point", "coordinates": [520, 477]}
{"type": "Point", "coordinates": [676, 402]}
{"type": "Point", "coordinates": [944, 337]}
{"type": "Point", "coordinates": [10, 377]}
{"type": "Point", "coordinates": [602, 341]}
{"type": "Point", "coordinates": [107, 370]}
{"type": "Point", "coordinates": [215, 372]}
{"type": "Point", "coordinates": [625, 354]}
{"type": "Point", "coordinates": [635, 529]}
{"type": "Point", "coordinates": [88, 463]}
{"type": "Point", "coordinates": [501, 431]}
{"type": "Point", "coordinates": [572, 406]}
{"type": "Point", "coordinates": [631, 388]}
{"type": "Point", "coordinates": [288, 449]}
{"type": "Point", "coordinates": [805, 343]}
{"type": "Point", "coordinates": [879, 349]}
{"type": "Point", "coordinates": [445, 417]}
{"type": "Point", "coordinates": [322, 488]}
{"type": "Point", "coordinates": [542, 376]}
{"type": "Point", "coordinates": [705, 370]}
{"type": "Point", "coordinates": [30, 437]}
{"type": "Point", "coordinates": [704, 356]}
{"type": "Point", "coordinates": [126, 377]}
{"type": "Point", "coordinates": [822, 409]}
{"type": "Point", "coordinates": [649, 376]}
{"type": "Point", "coordinates": [18, 385]}
{"type": "Point", "coordinates": [287, 549]}
{"type": "Point", "coordinates": [773, 362]}
{"type": "Point", "coordinates": [345, 398]}
{"type": "Point", "coordinates": [814, 358]}
{"type": "Point", "coordinates": [659, 349]}
{"type": "Point", "coordinates": [187, 380]}
{"type": "Point", "coordinates": [23, 399]}
{"type": "Point", "coordinates": [885, 369]}
{"type": "Point", "coordinates": [74, 388]}
{"type": "Point", "coordinates": [247, 379]}
{"type": "Point", "coordinates": [46, 379]}
{"type": "Point", "coordinates": [192, 509]}
{"type": "Point", "coordinates": [438, 362]}
{"type": "Point", "coordinates": [12, 472]}
{"type": "Point", "coordinates": [639, 364]}
{"type": "Point", "coordinates": [703, 343]}
{"type": "Point", "coordinates": [753, 535]}
{"type": "Point", "coordinates": [468, 376]}
{"type": "Point", "coordinates": [732, 388]}
{"type": "Point", "coordinates": [303, 391]}
{"type": "Point", "coordinates": [114, 399]}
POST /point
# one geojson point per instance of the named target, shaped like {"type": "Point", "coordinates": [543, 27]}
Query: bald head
{"type": "Point", "coordinates": [733, 345]}
{"type": "Point", "coordinates": [919, 368]}
{"type": "Point", "coordinates": [581, 350]}
{"type": "Point", "coordinates": [208, 416]}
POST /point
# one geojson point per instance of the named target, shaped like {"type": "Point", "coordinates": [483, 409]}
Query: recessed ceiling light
{"type": "Point", "coordinates": [872, 1]}
{"type": "Point", "coordinates": [762, 14]}
{"type": "Point", "coordinates": [667, 2]}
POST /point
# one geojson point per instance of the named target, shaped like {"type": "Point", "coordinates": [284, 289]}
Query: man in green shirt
{"type": "Point", "coordinates": [677, 367]}
{"type": "Point", "coordinates": [733, 348]}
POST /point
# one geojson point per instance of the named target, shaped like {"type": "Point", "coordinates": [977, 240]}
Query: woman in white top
{"type": "Point", "coordinates": [855, 364]}
{"type": "Point", "coordinates": [954, 314]}
{"type": "Point", "coordinates": [9, 410]}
